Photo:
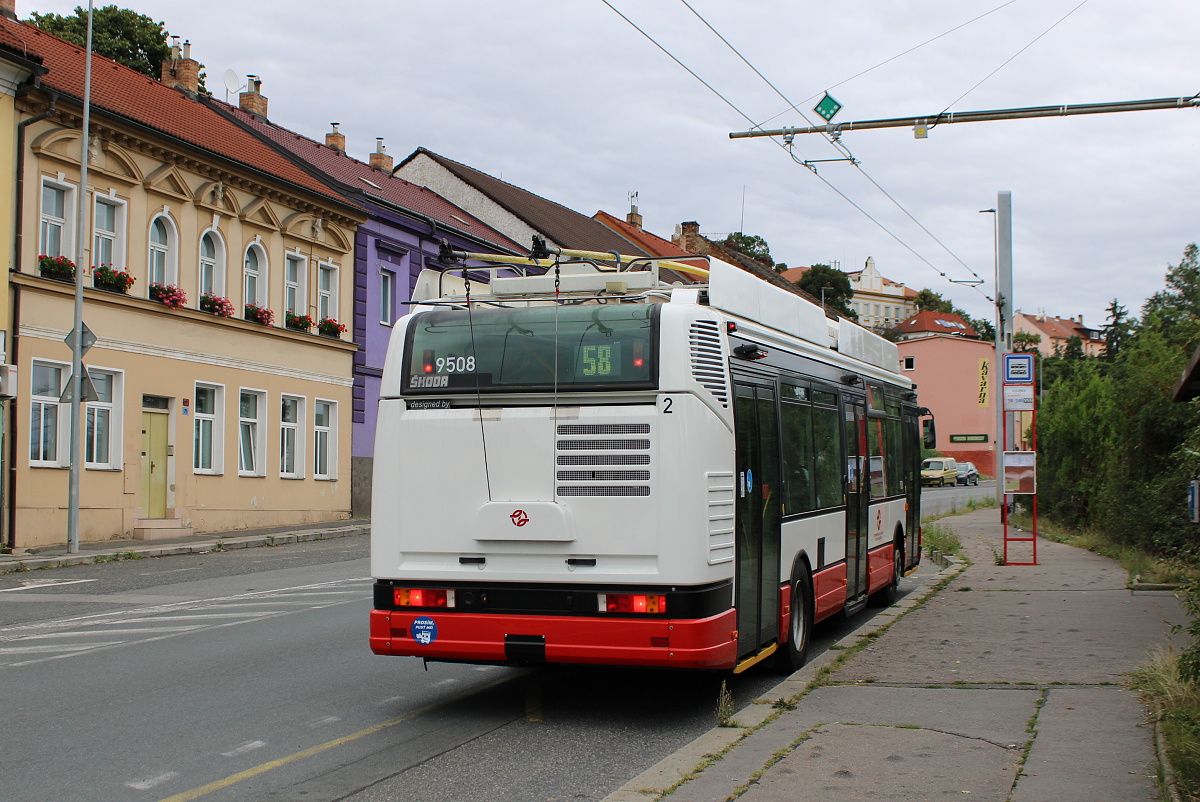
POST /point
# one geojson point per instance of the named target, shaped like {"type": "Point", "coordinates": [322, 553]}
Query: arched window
{"type": "Point", "coordinates": [254, 276]}
{"type": "Point", "coordinates": [212, 264]}
{"type": "Point", "coordinates": [162, 262]}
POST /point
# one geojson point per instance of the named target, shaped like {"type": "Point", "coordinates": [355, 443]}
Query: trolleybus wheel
{"type": "Point", "coordinates": [794, 654]}
{"type": "Point", "coordinates": [886, 596]}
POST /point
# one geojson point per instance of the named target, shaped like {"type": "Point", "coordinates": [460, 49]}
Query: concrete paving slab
{"type": "Point", "coordinates": [1088, 748]}
{"type": "Point", "coordinates": [841, 761]}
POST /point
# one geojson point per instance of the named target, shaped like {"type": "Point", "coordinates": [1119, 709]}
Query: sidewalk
{"type": "Point", "coordinates": [1005, 685]}
{"type": "Point", "coordinates": [101, 551]}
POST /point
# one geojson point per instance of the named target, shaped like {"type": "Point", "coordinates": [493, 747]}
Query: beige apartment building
{"type": "Point", "coordinates": [208, 413]}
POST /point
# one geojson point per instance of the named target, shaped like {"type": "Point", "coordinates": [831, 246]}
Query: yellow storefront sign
{"type": "Point", "coordinates": [985, 375]}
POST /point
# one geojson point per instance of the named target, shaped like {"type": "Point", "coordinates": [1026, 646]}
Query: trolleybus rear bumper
{"type": "Point", "coordinates": [531, 639]}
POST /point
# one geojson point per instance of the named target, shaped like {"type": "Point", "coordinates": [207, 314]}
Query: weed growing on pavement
{"type": "Point", "coordinates": [132, 555]}
{"type": "Point", "coordinates": [1175, 700]}
{"type": "Point", "coordinates": [937, 537]}
{"type": "Point", "coordinates": [783, 704]}
{"type": "Point", "coordinates": [725, 707]}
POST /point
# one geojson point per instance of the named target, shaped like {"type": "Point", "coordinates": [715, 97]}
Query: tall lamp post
{"type": "Point", "coordinates": [1002, 246]}
{"type": "Point", "coordinates": [77, 345]}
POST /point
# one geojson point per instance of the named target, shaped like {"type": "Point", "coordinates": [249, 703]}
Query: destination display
{"type": "Point", "coordinates": [534, 349]}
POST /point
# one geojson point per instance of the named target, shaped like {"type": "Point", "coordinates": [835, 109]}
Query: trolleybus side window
{"type": "Point", "coordinates": [875, 446]}
{"type": "Point", "coordinates": [827, 450]}
{"type": "Point", "coordinates": [796, 422]}
{"type": "Point", "coordinates": [893, 452]}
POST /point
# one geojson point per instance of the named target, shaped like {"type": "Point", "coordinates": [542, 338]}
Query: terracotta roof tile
{"type": "Point", "coordinates": [651, 244]}
{"type": "Point", "coordinates": [356, 176]}
{"type": "Point", "coordinates": [937, 323]}
{"type": "Point", "coordinates": [123, 92]}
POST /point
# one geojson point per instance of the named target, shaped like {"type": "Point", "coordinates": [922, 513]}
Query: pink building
{"type": "Point", "coordinates": [956, 379]}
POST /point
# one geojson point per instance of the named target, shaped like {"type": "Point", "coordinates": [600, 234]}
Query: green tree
{"type": "Point", "coordinates": [929, 301]}
{"type": "Point", "coordinates": [751, 245]}
{"type": "Point", "coordinates": [1024, 341]}
{"type": "Point", "coordinates": [1176, 309]}
{"type": "Point", "coordinates": [1117, 331]}
{"type": "Point", "coordinates": [836, 286]}
{"type": "Point", "coordinates": [120, 34]}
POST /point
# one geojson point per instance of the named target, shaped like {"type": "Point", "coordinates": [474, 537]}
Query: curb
{"type": "Point", "coordinates": [30, 563]}
{"type": "Point", "coordinates": [660, 779]}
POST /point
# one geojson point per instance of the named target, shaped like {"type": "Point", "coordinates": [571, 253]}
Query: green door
{"type": "Point", "coordinates": [154, 465]}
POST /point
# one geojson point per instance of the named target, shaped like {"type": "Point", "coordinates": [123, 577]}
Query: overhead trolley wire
{"type": "Point", "coordinates": [836, 143]}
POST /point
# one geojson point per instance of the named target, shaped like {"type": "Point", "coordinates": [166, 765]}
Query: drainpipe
{"type": "Point", "coordinates": [7, 495]}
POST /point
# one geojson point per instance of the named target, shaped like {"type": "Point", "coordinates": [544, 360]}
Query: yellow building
{"type": "Point", "coordinates": [206, 414]}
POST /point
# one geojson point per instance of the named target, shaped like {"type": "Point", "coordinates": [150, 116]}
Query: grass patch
{"type": "Point", "coordinates": [1141, 564]}
{"type": "Point", "coordinates": [941, 538]}
{"type": "Point", "coordinates": [1176, 702]}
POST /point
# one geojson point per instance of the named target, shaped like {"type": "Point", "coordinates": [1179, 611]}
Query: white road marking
{"type": "Point", "coordinates": [150, 782]}
{"type": "Point", "coordinates": [321, 722]}
{"type": "Point", "coordinates": [440, 683]}
{"type": "Point", "coordinates": [242, 749]}
{"type": "Point", "coordinates": [172, 571]}
{"type": "Point", "coordinates": [42, 584]}
{"type": "Point", "coordinates": [66, 647]}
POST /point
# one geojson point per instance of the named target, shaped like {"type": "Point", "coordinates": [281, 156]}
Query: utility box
{"type": "Point", "coordinates": [1193, 501]}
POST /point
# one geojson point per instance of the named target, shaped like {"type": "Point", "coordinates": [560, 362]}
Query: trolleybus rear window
{"type": "Point", "coordinates": [585, 346]}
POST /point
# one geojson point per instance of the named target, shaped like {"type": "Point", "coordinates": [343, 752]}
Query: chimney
{"type": "Point", "coordinates": [687, 236]}
{"type": "Point", "coordinates": [180, 71]}
{"type": "Point", "coordinates": [8, 9]}
{"type": "Point", "coordinates": [335, 139]}
{"type": "Point", "coordinates": [252, 99]}
{"type": "Point", "coordinates": [633, 218]}
{"type": "Point", "coordinates": [379, 158]}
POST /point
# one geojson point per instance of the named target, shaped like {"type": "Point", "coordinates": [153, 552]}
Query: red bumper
{"type": "Point", "coordinates": [703, 643]}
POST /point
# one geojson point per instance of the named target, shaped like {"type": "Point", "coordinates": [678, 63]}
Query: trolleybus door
{"type": "Point", "coordinates": [757, 539]}
{"type": "Point", "coordinates": [858, 497]}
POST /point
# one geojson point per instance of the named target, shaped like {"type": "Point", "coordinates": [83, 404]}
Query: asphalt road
{"type": "Point", "coordinates": [246, 675]}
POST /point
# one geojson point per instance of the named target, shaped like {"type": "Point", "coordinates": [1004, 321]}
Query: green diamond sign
{"type": "Point", "coordinates": [828, 107]}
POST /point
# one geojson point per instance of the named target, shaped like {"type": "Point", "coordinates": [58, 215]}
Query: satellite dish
{"type": "Point", "coordinates": [232, 84]}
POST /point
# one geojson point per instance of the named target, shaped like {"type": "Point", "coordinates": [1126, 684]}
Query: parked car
{"type": "Point", "coordinates": [940, 471]}
{"type": "Point", "coordinates": [967, 475]}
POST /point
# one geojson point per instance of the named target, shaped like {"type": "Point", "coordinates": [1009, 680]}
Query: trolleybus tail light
{"type": "Point", "coordinates": [427, 362]}
{"type": "Point", "coordinates": [639, 358]}
{"type": "Point", "coordinates": [730, 326]}
{"type": "Point", "coordinates": [422, 597]}
{"type": "Point", "coordinates": [632, 603]}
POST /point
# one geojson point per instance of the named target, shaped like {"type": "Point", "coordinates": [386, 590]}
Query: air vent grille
{"type": "Point", "coordinates": [605, 428]}
{"type": "Point", "coordinates": [708, 366]}
{"type": "Point", "coordinates": [599, 471]}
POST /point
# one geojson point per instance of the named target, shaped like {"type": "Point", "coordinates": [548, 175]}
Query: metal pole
{"type": "Point", "coordinates": [949, 117]}
{"type": "Point", "coordinates": [77, 326]}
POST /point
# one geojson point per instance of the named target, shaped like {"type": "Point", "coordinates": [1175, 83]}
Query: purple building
{"type": "Point", "coordinates": [405, 225]}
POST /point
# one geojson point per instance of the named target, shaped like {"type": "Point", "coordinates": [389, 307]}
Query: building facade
{"type": "Point", "coordinates": [205, 412]}
{"type": "Point", "coordinates": [956, 379]}
{"type": "Point", "coordinates": [1056, 333]}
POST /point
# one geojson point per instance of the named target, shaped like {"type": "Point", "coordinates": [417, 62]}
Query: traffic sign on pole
{"type": "Point", "coordinates": [87, 338]}
{"type": "Point", "coordinates": [1018, 368]}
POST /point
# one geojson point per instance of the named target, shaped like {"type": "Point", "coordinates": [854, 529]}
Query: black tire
{"type": "Point", "coordinates": [975, 481]}
{"type": "Point", "coordinates": [794, 654]}
{"type": "Point", "coordinates": [887, 595]}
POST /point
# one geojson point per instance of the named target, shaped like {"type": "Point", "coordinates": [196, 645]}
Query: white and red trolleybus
{"type": "Point", "coordinates": [595, 467]}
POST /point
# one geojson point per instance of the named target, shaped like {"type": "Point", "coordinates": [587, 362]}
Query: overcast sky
{"type": "Point", "coordinates": [568, 100]}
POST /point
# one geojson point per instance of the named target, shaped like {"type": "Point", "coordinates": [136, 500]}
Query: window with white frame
{"type": "Point", "coordinates": [254, 276]}
{"type": "Point", "coordinates": [387, 297]}
{"type": "Point", "coordinates": [207, 429]}
{"type": "Point", "coordinates": [325, 440]}
{"type": "Point", "coordinates": [161, 260]}
{"type": "Point", "coordinates": [910, 363]}
{"type": "Point", "coordinates": [293, 285]}
{"type": "Point", "coordinates": [108, 234]}
{"type": "Point", "coordinates": [102, 429]}
{"type": "Point", "coordinates": [291, 437]}
{"type": "Point", "coordinates": [252, 409]}
{"type": "Point", "coordinates": [55, 231]}
{"type": "Point", "coordinates": [212, 264]}
{"type": "Point", "coordinates": [327, 292]}
{"type": "Point", "coordinates": [46, 413]}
